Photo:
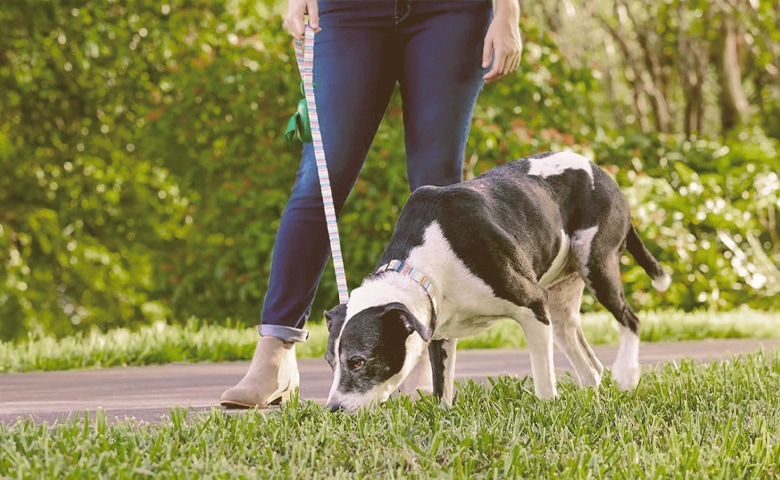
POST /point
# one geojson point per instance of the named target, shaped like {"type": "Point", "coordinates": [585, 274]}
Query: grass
{"type": "Point", "coordinates": [197, 341]}
{"type": "Point", "coordinates": [686, 421]}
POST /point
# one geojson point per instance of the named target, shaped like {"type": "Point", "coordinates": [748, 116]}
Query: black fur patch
{"type": "Point", "coordinates": [372, 346]}
{"type": "Point", "coordinates": [334, 319]}
{"type": "Point", "coordinates": [438, 357]}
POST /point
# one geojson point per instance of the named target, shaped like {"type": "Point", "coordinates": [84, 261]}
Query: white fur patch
{"type": "Point", "coordinates": [390, 287]}
{"type": "Point", "coordinates": [540, 348]}
{"type": "Point", "coordinates": [625, 370]}
{"type": "Point", "coordinates": [558, 163]}
{"type": "Point", "coordinates": [332, 394]}
{"type": "Point", "coordinates": [420, 378]}
{"type": "Point", "coordinates": [581, 242]}
{"type": "Point", "coordinates": [662, 283]}
{"type": "Point", "coordinates": [467, 304]}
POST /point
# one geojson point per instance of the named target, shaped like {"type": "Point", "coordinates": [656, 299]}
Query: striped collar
{"type": "Point", "coordinates": [407, 270]}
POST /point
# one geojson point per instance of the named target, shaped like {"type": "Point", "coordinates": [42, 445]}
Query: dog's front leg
{"type": "Point", "coordinates": [539, 337]}
{"type": "Point", "coordinates": [419, 381]}
{"type": "Point", "coordinates": [442, 354]}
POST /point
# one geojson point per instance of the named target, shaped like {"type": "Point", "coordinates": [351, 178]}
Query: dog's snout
{"type": "Point", "coordinates": [335, 407]}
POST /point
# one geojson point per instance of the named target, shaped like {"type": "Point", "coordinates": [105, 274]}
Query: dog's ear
{"type": "Point", "coordinates": [336, 316]}
{"type": "Point", "coordinates": [411, 323]}
{"type": "Point", "coordinates": [334, 319]}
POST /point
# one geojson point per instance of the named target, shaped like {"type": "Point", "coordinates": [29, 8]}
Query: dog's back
{"type": "Point", "coordinates": [512, 206]}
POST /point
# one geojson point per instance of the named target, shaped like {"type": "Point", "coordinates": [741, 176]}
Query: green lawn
{"type": "Point", "coordinates": [198, 341]}
{"type": "Point", "coordinates": [714, 421]}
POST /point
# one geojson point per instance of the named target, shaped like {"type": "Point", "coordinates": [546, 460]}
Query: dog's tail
{"type": "Point", "coordinates": [645, 259]}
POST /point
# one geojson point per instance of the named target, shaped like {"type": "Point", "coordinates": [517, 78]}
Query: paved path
{"type": "Point", "coordinates": [147, 393]}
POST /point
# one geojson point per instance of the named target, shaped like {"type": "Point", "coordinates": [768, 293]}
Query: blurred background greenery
{"type": "Point", "coordinates": [143, 171]}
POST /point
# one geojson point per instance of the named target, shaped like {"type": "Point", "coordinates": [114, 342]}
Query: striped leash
{"type": "Point", "coordinates": [304, 52]}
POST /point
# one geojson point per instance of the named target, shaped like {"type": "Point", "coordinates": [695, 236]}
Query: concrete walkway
{"type": "Point", "coordinates": [147, 393]}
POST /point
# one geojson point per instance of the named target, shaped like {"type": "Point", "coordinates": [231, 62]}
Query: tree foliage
{"type": "Point", "coordinates": [699, 67]}
{"type": "Point", "coordinates": [84, 215]}
{"type": "Point", "coordinates": [143, 172]}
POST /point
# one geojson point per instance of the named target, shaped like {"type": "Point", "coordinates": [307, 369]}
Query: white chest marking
{"type": "Point", "coordinates": [558, 264]}
{"type": "Point", "coordinates": [558, 163]}
{"type": "Point", "coordinates": [464, 297]}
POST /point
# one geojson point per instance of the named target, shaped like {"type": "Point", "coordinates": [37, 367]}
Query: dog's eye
{"type": "Point", "coordinates": [355, 363]}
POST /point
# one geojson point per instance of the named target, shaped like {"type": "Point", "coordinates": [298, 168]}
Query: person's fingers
{"type": "Point", "coordinates": [515, 63]}
{"type": "Point", "coordinates": [295, 26]}
{"type": "Point", "coordinates": [493, 74]}
{"type": "Point", "coordinates": [487, 52]}
{"type": "Point", "coordinates": [314, 15]}
{"type": "Point", "coordinates": [293, 22]}
{"type": "Point", "coordinates": [499, 67]}
{"type": "Point", "coordinates": [503, 64]}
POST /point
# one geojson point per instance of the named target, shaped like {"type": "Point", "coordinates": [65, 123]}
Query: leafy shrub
{"type": "Point", "coordinates": [84, 215]}
{"type": "Point", "coordinates": [708, 212]}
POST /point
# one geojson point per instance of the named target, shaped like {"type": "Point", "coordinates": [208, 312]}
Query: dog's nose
{"type": "Point", "coordinates": [334, 407]}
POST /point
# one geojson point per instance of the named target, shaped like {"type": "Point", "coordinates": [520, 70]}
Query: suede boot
{"type": "Point", "coordinates": [271, 379]}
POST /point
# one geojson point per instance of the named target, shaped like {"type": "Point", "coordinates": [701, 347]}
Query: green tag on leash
{"type": "Point", "coordinates": [299, 127]}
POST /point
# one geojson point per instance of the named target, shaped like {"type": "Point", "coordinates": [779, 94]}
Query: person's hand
{"type": "Point", "coordinates": [296, 11]}
{"type": "Point", "coordinates": [502, 42]}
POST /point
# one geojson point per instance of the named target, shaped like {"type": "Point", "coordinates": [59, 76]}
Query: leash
{"type": "Point", "coordinates": [304, 53]}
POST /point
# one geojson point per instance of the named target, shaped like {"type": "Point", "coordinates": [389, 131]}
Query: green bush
{"type": "Point", "coordinates": [217, 126]}
{"type": "Point", "coordinates": [84, 215]}
{"type": "Point", "coordinates": [708, 212]}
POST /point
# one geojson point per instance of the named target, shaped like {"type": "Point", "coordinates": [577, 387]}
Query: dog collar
{"type": "Point", "coordinates": [407, 270]}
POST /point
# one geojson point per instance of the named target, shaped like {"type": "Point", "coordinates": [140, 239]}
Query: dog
{"type": "Point", "coordinates": [521, 241]}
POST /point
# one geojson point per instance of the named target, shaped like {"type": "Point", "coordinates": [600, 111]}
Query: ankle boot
{"type": "Point", "coordinates": [271, 379]}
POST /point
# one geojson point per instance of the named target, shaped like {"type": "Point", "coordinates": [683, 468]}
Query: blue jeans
{"type": "Point", "coordinates": [433, 50]}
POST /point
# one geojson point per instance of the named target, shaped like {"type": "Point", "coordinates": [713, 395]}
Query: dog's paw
{"type": "Point", "coordinates": [546, 393]}
{"type": "Point", "coordinates": [626, 376]}
{"type": "Point", "coordinates": [591, 378]}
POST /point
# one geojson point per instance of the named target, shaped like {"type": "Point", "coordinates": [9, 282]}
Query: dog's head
{"type": "Point", "coordinates": [371, 353]}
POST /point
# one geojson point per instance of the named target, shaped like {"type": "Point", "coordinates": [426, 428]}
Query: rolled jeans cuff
{"type": "Point", "coordinates": [283, 333]}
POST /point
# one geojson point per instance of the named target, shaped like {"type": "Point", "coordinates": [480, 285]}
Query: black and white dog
{"type": "Point", "coordinates": [520, 241]}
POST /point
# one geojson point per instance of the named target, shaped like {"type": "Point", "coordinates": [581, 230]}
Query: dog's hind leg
{"type": "Point", "coordinates": [565, 300]}
{"type": "Point", "coordinates": [588, 350]}
{"type": "Point", "coordinates": [605, 281]}
{"type": "Point", "coordinates": [442, 354]}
